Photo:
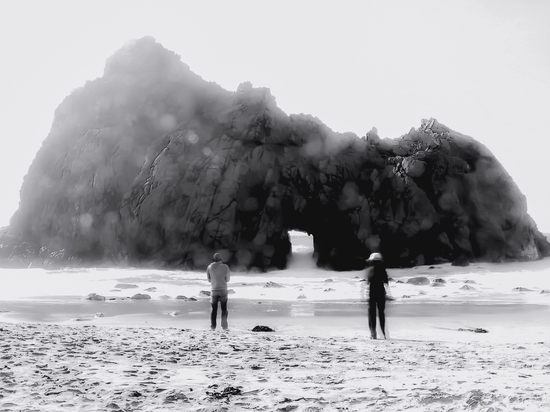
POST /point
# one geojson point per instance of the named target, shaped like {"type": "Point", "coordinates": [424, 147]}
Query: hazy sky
{"type": "Point", "coordinates": [480, 67]}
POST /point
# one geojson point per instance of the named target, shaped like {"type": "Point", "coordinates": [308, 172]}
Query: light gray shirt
{"type": "Point", "coordinates": [218, 275]}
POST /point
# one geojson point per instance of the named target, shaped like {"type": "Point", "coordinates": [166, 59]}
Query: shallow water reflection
{"type": "Point", "coordinates": [302, 309]}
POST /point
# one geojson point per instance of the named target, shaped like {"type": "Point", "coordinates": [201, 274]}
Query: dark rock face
{"type": "Point", "coordinates": [150, 163]}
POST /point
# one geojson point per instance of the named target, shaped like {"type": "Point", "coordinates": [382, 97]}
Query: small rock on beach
{"type": "Point", "coordinates": [467, 287]}
{"type": "Point", "coordinates": [522, 289]}
{"type": "Point", "coordinates": [141, 296]}
{"type": "Point", "coordinates": [262, 328]}
{"type": "Point", "coordinates": [95, 296]}
{"type": "Point", "coordinates": [271, 284]}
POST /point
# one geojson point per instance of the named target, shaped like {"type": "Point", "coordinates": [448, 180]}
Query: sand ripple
{"type": "Point", "coordinates": [89, 368]}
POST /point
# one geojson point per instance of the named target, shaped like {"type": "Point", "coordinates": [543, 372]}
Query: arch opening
{"type": "Point", "coordinates": [302, 250]}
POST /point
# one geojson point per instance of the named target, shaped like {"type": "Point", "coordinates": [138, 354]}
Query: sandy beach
{"type": "Point", "coordinates": [90, 368]}
{"type": "Point", "coordinates": [61, 351]}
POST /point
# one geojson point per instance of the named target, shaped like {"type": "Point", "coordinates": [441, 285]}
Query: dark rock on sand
{"type": "Point", "coordinates": [476, 330]}
{"type": "Point", "coordinates": [152, 164]}
{"type": "Point", "coordinates": [261, 328]}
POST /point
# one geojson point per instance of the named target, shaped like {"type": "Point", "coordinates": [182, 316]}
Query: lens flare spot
{"type": "Point", "coordinates": [86, 221]}
{"type": "Point", "coordinates": [167, 122]}
{"type": "Point", "coordinates": [192, 137]}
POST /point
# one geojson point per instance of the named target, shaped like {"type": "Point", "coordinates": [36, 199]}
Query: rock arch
{"type": "Point", "coordinates": [168, 168]}
{"type": "Point", "coordinates": [431, 196]}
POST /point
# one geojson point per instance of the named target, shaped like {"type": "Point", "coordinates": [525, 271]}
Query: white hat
{"type": "Point", "coordinates": [375, 256]}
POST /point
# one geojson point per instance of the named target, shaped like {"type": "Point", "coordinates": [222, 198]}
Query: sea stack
{"type": "Point", "coordinates": [150, 164]}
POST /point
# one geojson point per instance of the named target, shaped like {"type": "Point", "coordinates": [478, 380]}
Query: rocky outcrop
{"type": "Point", "coordinates": [151, 164]}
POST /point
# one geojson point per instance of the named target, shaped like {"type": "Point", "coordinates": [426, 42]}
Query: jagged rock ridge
{"type": "Point", "coordinates": [150, 163]}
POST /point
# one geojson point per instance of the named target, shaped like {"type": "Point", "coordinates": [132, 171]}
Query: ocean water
{"type": "Point", "coordinates": [519, 282]}
{"type": "Point", "coordinates": [304, 291]}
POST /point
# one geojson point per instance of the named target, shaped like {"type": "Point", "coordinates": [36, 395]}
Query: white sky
{"type": "Point", "coordinates": [480, 67]}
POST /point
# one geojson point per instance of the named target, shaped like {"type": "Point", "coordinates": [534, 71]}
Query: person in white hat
{"type": "Point", "coordinates": [377, 278]}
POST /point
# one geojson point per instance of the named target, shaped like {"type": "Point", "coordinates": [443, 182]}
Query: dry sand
{"type": "Point", "coordinates": [51, 367]}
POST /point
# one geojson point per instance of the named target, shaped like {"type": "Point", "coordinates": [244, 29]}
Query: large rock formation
{"type": "Point", "coordinates": [150, 163]}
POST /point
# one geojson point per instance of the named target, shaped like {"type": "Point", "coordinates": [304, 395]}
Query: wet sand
{"type": "Point", "coordinates": [419, 320]}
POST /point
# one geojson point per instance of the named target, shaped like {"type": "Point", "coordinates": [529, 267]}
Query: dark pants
{"type": "Point", "coordinates": [222, 298]}
{"type": "Point", "coordinates": [377, 302]}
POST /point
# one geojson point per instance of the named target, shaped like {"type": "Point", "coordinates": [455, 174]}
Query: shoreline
{"type": "Point", "coordinates": [429, 321]}
{"type": "Point", "coordinates": [491, 300]}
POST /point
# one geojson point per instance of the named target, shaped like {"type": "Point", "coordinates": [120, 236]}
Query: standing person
{"type": "Point", "coordinates": [377, 278]}
{"type": "Point", "coordinates": [218, 275]}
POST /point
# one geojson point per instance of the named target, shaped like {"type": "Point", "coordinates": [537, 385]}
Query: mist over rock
{"type": "Point", "coordinates": [152, 164]}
